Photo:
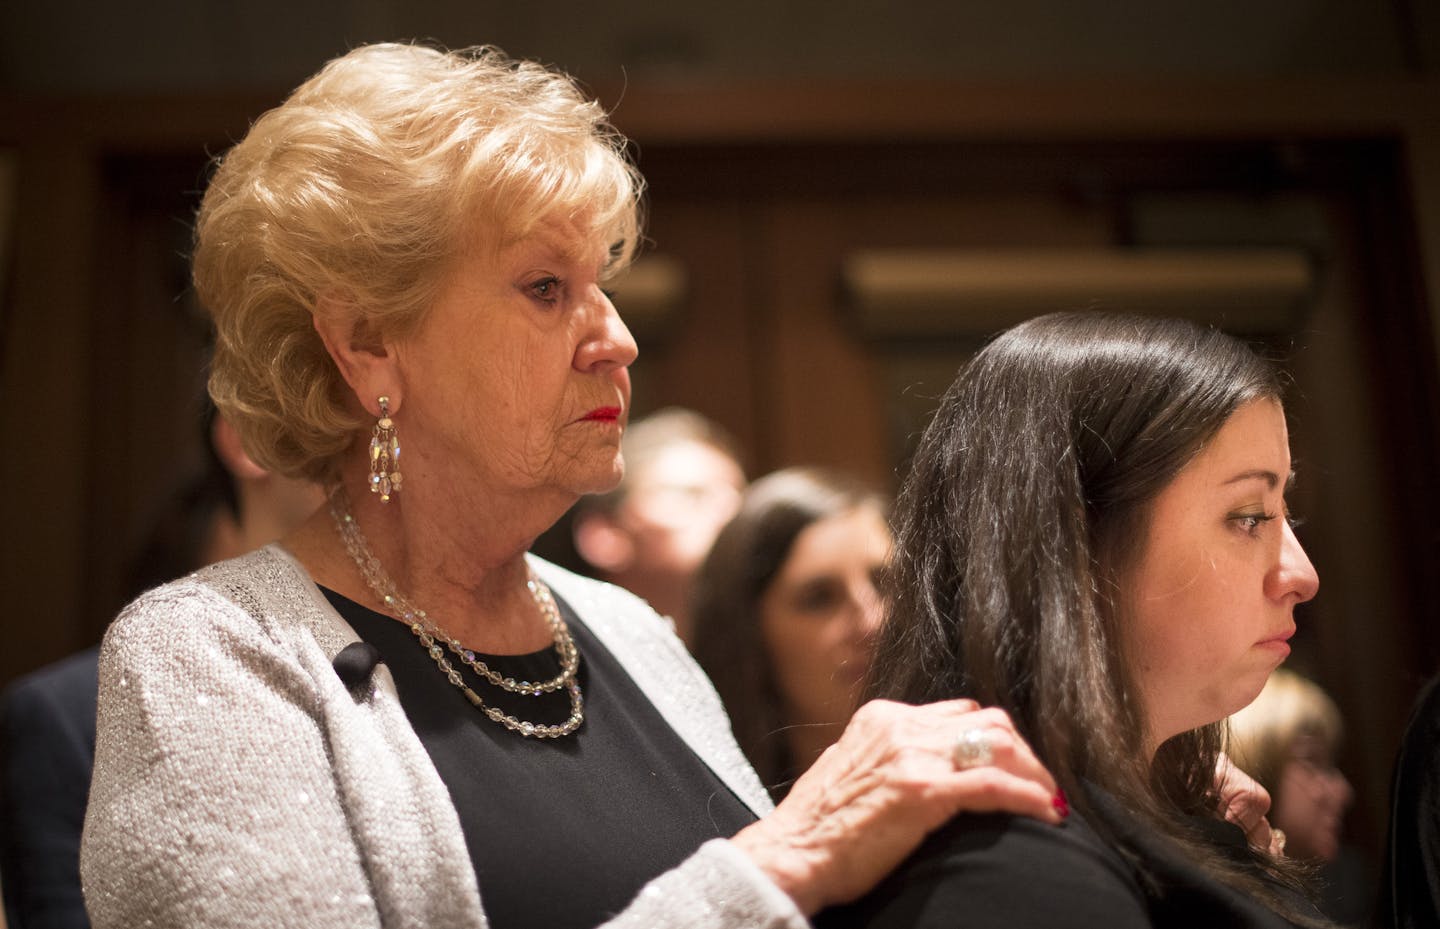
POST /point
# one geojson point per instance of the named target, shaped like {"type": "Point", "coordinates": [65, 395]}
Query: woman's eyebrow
{"type": "Point", "coordinates": [1271, 479]}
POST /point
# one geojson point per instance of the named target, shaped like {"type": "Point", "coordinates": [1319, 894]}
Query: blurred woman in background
{"type": "Point", "coordinates": [786, 610]}
{"type": "Point", "coordinates": [1288, 740]}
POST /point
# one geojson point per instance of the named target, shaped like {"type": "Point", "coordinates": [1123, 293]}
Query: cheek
{"type": "Point", "coordinates": [799, 657]}
{"type": "Point", "coordinates": [511, 372]}
{"type": "Point", "coordinates": [524, 380]}
{"type": "Point", "coordinates": [782, 634]}
{"type": "Point", "coordinates": [483, 387]}
{"type": "Point", "coordinates": [1180, 608]}
{"type": "Point", "coordinates": [808, 668]}
{"type": "Point", "coordinates": [1155, 625]}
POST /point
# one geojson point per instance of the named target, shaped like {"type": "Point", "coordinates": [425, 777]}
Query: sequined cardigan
{"type": "Point", "coordinates": [239, 783]}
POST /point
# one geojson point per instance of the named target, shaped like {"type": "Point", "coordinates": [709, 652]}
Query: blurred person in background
{"type": "Point", "coordinates": [682, 482]}
{"type": "Point", "coordinates": [47, 718]}
{"type": "Point", "coordinates": [785, 609]}
{"type": "Point", "coordinates": [1287, 740]}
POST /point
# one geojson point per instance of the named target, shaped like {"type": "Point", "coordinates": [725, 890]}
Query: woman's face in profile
{"type": "Point", "coordinates": [819, 615]}
{"type": "Point", "coordinates": [1210, 605]}
{"type": "Point", "coordinates": [517, 380]}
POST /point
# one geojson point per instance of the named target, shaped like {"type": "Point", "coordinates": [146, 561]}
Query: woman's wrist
{"type": "Point", "coordinates": [787, 866]}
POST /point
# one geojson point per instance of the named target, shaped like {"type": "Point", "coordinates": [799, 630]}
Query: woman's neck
{"type": "Point", "coordinates": [460, 560]}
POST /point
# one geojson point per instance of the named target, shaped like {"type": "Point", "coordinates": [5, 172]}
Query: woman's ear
{"type": "Point", "coordinates": [231, 453]}
{"type": "Point", "coordinates": [366, 361]}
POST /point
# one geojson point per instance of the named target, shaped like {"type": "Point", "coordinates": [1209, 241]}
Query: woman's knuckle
{"type": "Point", "coordinates": [997, 718]}
{"type": "Point", "coordinates": [992, 785]}
{"type": "Point", "coordinates": [875, 712]}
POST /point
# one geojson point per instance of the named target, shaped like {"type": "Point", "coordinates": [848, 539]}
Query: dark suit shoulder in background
{"type": "Point", "coordinates": [47, 750]}
{"type": "Point", "coordinates": [1410, 887]}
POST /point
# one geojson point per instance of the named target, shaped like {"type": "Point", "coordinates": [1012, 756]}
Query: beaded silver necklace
{"type": "Point", "coordinates": [431, 636]}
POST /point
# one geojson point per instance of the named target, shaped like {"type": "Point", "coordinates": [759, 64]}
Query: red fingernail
{"type": "Point", "coordinates": [1061, 805]}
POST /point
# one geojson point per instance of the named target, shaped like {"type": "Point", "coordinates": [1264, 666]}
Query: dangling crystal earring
{"type": "Point", "coordinates": [384, 455]}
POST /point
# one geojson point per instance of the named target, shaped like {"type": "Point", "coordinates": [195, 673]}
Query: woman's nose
{"type": "Point", "coordinates": [1344, 792]}
{"type": "Point", "coordinates": [869, 610]}
{"type": "Point", "coordinates": [608, 343]}
{"type": "Point", "coordinates": [1294, 576]}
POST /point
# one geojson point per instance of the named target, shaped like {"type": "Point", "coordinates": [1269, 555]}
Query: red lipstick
{"type": "Point", "coordinates": [602, 414]}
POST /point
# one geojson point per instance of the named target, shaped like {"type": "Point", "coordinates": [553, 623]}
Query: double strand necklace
{"type": "Point", "coordinates": [431, 636]}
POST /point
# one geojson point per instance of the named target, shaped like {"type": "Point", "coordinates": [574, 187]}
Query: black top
{"type": "Point", "coordinates": [1410, 888]}
{"type": "Point", "coordinates": [1011, 872]}
{"type": "Point", "coordinates": [47, 748]}
{"type": "Point", "coordinates": [562, 832]}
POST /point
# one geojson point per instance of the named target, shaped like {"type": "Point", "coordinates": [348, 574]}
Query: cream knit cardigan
{"type": "Point", "coordinates": [239, 783]}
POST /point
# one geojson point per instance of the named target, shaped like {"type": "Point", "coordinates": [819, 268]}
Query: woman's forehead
{"type": "Point", "coordinates": [564, 238]}
{"type": "Point", "coordinates": [1252, 445]}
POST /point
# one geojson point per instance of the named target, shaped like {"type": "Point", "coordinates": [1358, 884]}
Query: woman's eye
{"type": "Point", "coordinates": [546, 289]}
{"type": "Point", "coordinates": [1251, 522]}
{"type": "Point", "coordinates": [817, 598]}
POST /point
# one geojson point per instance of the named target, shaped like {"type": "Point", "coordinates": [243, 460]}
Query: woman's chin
{"type": "Point", "coordinates": [603, 480]}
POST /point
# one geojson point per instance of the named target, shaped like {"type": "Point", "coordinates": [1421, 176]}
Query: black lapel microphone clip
{"type": "Point", "coordinates": [355, 665]}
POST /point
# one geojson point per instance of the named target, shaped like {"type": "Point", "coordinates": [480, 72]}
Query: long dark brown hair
{"type": "Point", "coordinates": [745, 559]}
{"type": "Point", "coordinates": [1026, 502]}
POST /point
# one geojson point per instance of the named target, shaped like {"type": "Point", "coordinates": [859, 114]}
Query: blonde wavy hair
{"type": "Point", "coordinates": [1290, 707]}
{"type": "Point", "coordinates": [360, 190]}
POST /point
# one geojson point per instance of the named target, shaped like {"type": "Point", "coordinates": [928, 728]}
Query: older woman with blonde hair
{"type": "Point", "coordinates": [396, 716]}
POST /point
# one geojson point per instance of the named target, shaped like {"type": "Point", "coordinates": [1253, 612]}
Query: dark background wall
{"type": "Point", "coordinates": [84, 46]}
{"type": "Point", "coordinates": [1296, 142]}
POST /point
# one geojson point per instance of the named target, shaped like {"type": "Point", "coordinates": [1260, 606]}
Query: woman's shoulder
{"type": "Point", "coordinates": [1006, 871]}
{"type": "Point", "coordinates": [258, 578]}
{"type": "Point", "coordinates": [259, 595]}
{"type": "Point", "coordinates": [606, 609]}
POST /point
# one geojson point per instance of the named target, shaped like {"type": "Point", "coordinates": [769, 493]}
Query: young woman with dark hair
{"type": "Point", "coordinates": [1094, 537]}
{"type": "Point", "coordinates": [786, 608]}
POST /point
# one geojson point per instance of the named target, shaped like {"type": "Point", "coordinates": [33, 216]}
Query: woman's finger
{"type": "Point", "coordinates": [1007, 750]}
{"type": "Point", "coordinates": [944, 730]}
{"type": "Point", "coordinates": [1243, 801]}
